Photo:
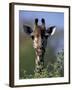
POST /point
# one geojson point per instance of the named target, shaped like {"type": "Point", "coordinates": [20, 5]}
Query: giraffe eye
{"type": "Point", "coordinates": [32, 37]}
{"type": "Point", "coordinates": [46, 36]}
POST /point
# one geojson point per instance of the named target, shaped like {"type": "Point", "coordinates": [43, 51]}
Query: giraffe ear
{"type": "Point", "coordinates": [27, 29]}
{"type": "Point", "coordinates": [51, 30]}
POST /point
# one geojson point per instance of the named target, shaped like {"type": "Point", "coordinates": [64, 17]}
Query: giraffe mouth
{"type": "Point", "coordinates": [39, 52]}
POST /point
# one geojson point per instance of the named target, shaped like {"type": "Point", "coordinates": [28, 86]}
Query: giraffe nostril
{"type": "Point", "coordinates": [40, 47]}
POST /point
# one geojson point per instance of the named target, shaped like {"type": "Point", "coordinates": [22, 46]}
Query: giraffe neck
{"type": "Point", "coordinates": [39, 63]}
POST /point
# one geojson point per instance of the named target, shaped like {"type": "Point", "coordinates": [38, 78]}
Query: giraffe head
{"type": "Point", "coordinates": [39, 36]}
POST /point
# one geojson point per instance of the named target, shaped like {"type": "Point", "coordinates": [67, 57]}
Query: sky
{"type": "Point", "coordinates": [51, 18]}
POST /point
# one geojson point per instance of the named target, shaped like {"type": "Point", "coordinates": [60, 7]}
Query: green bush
{"type": "Point", "coordinates": [59, 65]}
{"type": "Point", "coordinates": [52, 70]}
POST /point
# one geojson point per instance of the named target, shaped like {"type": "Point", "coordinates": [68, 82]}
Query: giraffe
{"type": "Point", "coordinates": [39, 36]}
